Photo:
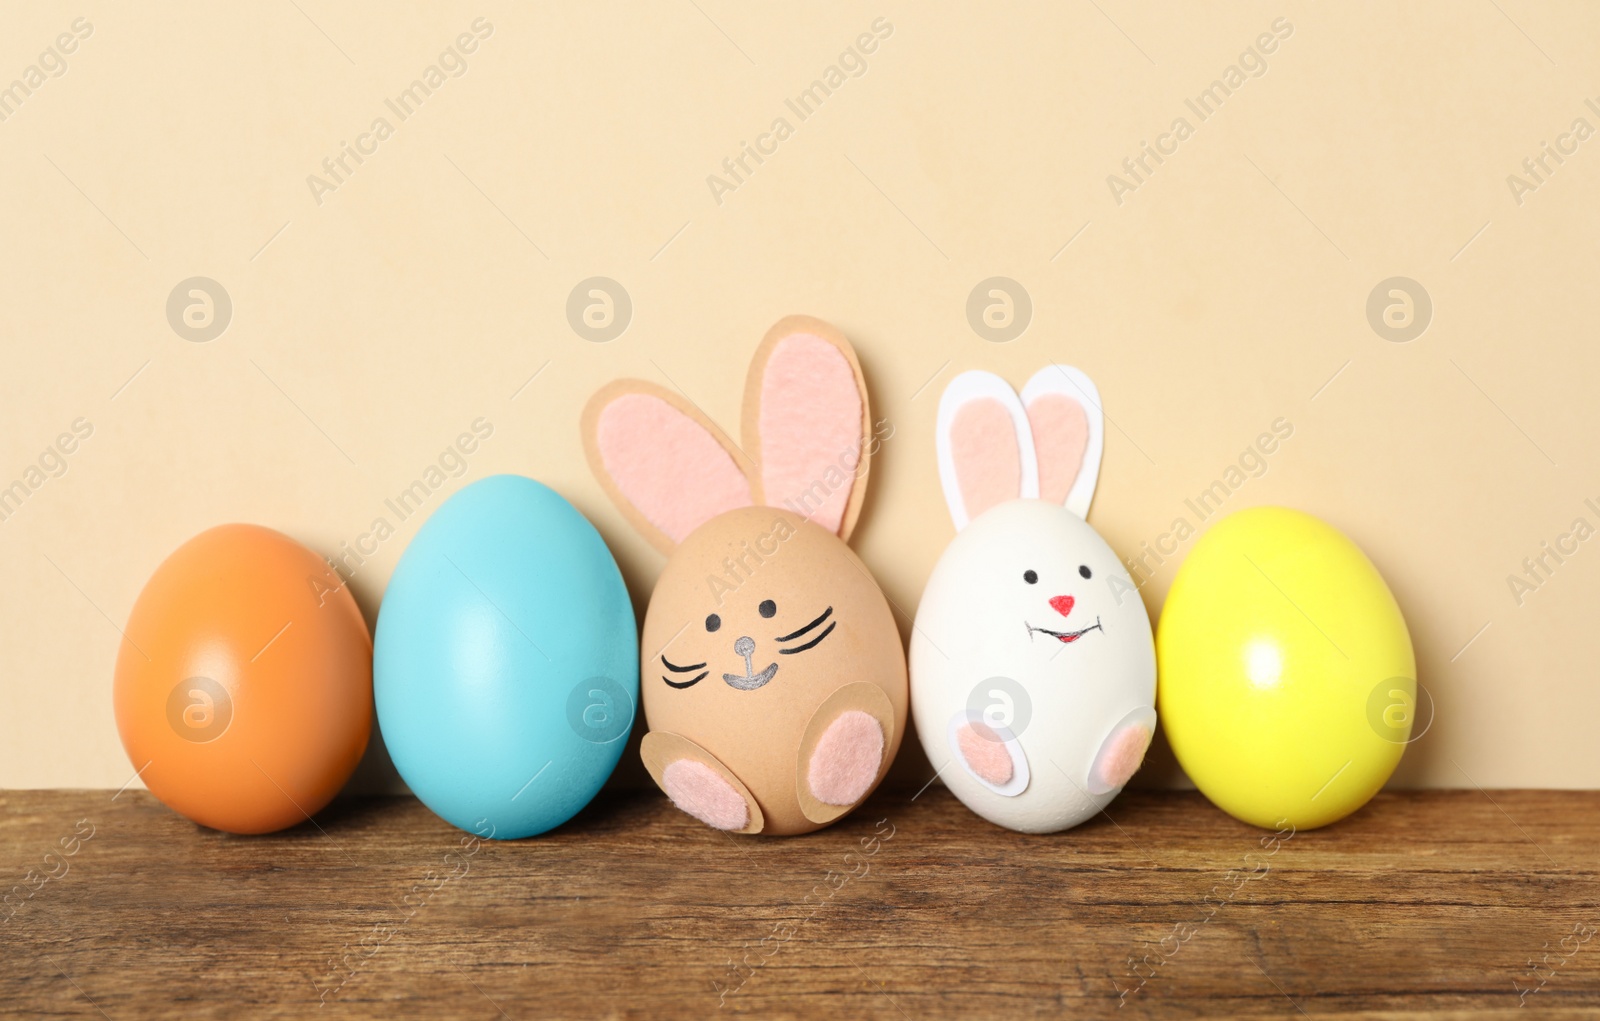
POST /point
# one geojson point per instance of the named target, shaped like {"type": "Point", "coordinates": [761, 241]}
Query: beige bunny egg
{"type": "Point", "coordinates": [759, 617]}
{"type": "Point", "coordinates": [775, 685]}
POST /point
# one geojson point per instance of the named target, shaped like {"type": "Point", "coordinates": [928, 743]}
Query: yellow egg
{"type": "Point", "coordinates": [1287, 680]}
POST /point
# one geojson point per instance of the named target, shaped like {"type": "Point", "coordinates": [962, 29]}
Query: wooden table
{"type": "Point", "coordinates": [1439, 904]}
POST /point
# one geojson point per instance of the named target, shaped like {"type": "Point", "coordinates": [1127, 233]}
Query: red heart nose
{"type": "Point", "coordinates": [1062, 604]}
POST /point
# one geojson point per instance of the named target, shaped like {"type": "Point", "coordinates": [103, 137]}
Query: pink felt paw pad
{"type": "Point", "coordinates": [1120, 758]}
{"type": "Point", "coordinates": [985, 753]}
{"type": "Point", "coordinates": [702, 792]}
{"type": "Point", "coordinates": [846, 759]}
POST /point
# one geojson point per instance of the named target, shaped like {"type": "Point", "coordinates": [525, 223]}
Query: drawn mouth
{"type": "Point", "coordinates": [748, 681]}
{"type": "Point", "coordinates": [1064, 637]}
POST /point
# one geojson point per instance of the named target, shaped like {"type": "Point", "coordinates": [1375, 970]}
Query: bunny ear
{"type": "Point", "coordinates": [662, 463]}
{"type": "Point", "coordinates": [1068, 434]}
{"type": "Point", "coordinates": [806, 423]}
{"type": "Point", "coordinates": [985, 446]}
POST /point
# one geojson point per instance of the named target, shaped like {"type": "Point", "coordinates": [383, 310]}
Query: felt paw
{"type": "Point", "coordinates": [846, 760]}
{"type": "Point", "coordinates": [985, 754]}
{"type": "Point", "coordinates": [701, 791]}
{"type": "Point", "coordinates": [1123, 752]}
{"type": "Point", "coordinates": [843, 751]}
{"type": "Point", "coordinates": [699, 784]}
{"type": "Point", "coordinates": [990, 755]}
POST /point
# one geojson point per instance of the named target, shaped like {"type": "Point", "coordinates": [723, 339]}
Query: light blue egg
{"type": "Point", "coordinates": [506, 662]}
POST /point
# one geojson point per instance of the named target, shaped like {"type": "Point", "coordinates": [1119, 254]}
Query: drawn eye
{"type": "Point", "coordinates": [1031, 577]}
{"type": "Point", "coordinates": [768, 608]}
{"type": "Point", "coordinates": [713, 622]}
{"type": "Point", "coordinates": [1084, 572]}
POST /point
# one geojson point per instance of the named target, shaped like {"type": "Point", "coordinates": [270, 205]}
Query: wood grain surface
{"type": "Point", "coordinates": [1438, 904]}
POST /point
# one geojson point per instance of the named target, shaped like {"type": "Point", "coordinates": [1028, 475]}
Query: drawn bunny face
{"type": "Point", "coordinates": [1032, 663]}
{"type": "Point", "coordinates": [774, 684]}
{"type": "Point", "coordinates": [1037, 590]}
{"type": "Point", "coordinates": [728, 633]}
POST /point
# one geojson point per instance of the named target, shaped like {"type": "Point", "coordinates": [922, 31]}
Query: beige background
{"type": "Point", "coordinates": [1226, 291]}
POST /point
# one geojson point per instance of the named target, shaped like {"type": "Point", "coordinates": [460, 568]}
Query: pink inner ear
{"type": "Point", "coordinates": [667, 464]}
{"type": "Point", "coordinates": [988, 462]}
{"type": "Point", "coordinates": [1060, 437]}
{"type": "Point", "coordinates": [810, 423]}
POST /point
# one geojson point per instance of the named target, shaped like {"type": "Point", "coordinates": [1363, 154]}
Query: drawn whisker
{"type": "Point", "coordinates": [691, 681]}
{"type": "Point", "coordinates": [802, 648]}
{"type": "Point", "coordinates": [796, 634]}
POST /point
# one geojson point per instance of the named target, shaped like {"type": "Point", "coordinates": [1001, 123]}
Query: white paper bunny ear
{"type": "Point", "coordinates": [985, 446]}
{"type": "Point", "coordinates": [1068, 425]}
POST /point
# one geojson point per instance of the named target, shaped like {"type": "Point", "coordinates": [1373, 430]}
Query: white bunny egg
{"type": "Point", "coordinates": [1033, 674]}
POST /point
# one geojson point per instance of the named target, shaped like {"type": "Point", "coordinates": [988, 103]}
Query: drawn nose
{"type": "Point", "coordinates": [745, 646]}
{"type": "Point", "coordinates": [1062, 604]}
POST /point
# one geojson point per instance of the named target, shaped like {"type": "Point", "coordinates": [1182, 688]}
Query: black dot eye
{"type": "Point", "coordinates": [713, 622]}
{"type": "Point", "coordinates": [767, 608]}
{"type": "Point", "coordinates": [1031, 577]}
{"type": "Point", "coordinates": [1083, 571]}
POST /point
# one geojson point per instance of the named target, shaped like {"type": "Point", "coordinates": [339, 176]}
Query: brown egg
{"type": "Point", "coordinates": [782, 614]}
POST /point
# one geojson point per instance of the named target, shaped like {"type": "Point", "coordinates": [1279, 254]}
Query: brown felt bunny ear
{"type": "Point", "coordinates": [662, 462]}
{"type": "Point", "coordinates": [807, 424]}
{"type": "Point", "coordinates": [806, 430]}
